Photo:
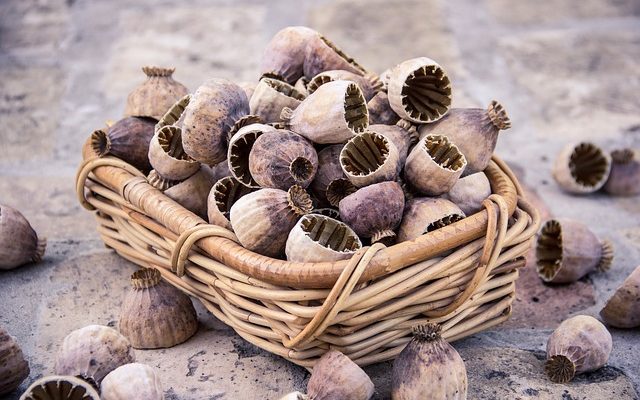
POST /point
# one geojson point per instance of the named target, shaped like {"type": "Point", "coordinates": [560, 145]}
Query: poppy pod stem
{"type": "Point", "coordinates": [145, 278]}
{"type": "Point", "coordinates": [100, 143]}
{"type": "Point", "coordinates": [338, 189]}
{"type": "Point", "coordinates": [41, 246]}
{"type": "Point", "coordinates": [299, 200]}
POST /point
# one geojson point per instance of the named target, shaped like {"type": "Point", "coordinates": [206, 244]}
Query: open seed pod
{"type": "Point", "coordinates": [374, 211]}
{"type": "Point", "coordinates": [128, 140]}
{"type": "Point", "coordinates": [19, 243]}
{"type": "Point", "coordinates": [338, 189]}
{"type": "Point", "coordinates": [369, 83]}
{"type": "Point", "coordinates": [434, 165]}
{"type": "Point", "coordinates": [329, 169]}
{"type": "Point", "coordinates": [175, 113]}
{"type": "Point", "coordinates": [240, 147]}
{"type": "Point", "coordinates": [423, 215]}
{"type": "Point", "coordinates": [428, 367]}
{"type": "Point", "coordinates": [419, 90]}
{"type": "Point", "coordinates": [567, 250]}
{"type": "Point", "coordinates": [582, 168]}
{"type": "Point", "coordinates": [369, 158]}
{"type": "Point", "coordinates": [56, 387]}
{"type": "Point", "coordinates": [271, 96]}
{"type": "Point", "coordinates": [335, 376]}
{"type": "Point", "coordinates": [473, 130]}
{"type": "Point", "coordinates": [209, 117]}
{"type": "Point", "coordinates": [403, 136]}
{"type": "Point", "coordinates": [13, 367]}
{"type": "Point", "coordinates": [580, 344]}
{"type": "Point", "coordinates": [469, 192]}
{"type": "Point", "coordinates": [380, 111]}
{"type": "Point", "coordinates": [334, 113]}
{"type": "Point", "coordinates": [167, 157]}
{"type": "Point", "coordinates": [623, 308]}
{"type": "Point", "coordinates": [223, 195]}
{"type": "Point", "coordinates": [193, 192]}
{"type": "Point", "coordinates": [156, 95]}
{"type": "Point", "coordinates": [285, 54]}
{"type": "Point", "coordinates": [322, 55]}
{"type": "Point", "coordinates": [92, 352]}
{"type": "Point", "coordinates": [301, 86]}
{"type": "Point", "coordinates": [132, 381]}
{"type": "Point", "coordinates": [316, 238]}
{"type": "Point", "coordinates": [281, 159]}
{"type": "Point", "coordinates": [262, 220]}
{"type": "Point", "coordinates": [624, 179]}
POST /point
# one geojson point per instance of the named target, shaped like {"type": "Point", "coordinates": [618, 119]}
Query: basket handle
{"type": "Point", "coordinates": [188, 238]}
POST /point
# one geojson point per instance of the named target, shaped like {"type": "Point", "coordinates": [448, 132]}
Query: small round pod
{"type": "Point", "coordinates": [193, 192]}
{"type": "Point", "coordinates": [567, 250]}
{"type": "Point", "coordinates": [284, 55]}
{"type": "Point", "coordinates": [369, 158]}
{"type": "Point", "coordinates": [369, 83]}
{"type": "Point", "coordinates": [271, 96]}
{"type": "Point", "coordinates": [128, 140]}
{"type": "Point", "coordinates": [167, 157]}
{"type": "Point", "coordinates": [419, 90]}
{"type": "Point", "coordinates": [380, 111]}
{"type": "Point", "coordinates": [335, 377]}
{"type": "Point", "coordinates": [132, 381]}
{"type": "Point", "coordinates": [223, 195]}
{"type": "Point", "coordinates": [281, 159]}
{"type": "Point", "coordinates": [580, 344]}
{"type": "Point", "coordinates": [624, 178]}
{"type": "Point", "coordinates": [423, 215]}
{"type": "Point", "coordinates": [434, 165]}
{"type": "Point", "coordinates": [469, 192]}
{"type": "Point", "coordinates": [92, 352]}
{"type": "Point", "coordinates": [623, 308]}
{"type": "Point", "coordinates": [316, 238]}
{"type": "Point", "coordinates": [322, 55]}
{"type": "Point", "coordinates": [19, 242]}
{"type": "Point", "coordinates": [329, 169]}
{"type": "Point", "coordinates": [582, 168]}
{"type": "Point", "coordinates": [474, 130]}
{"type": "Point", "coordinates": [374, 211]}
{"type": "Point", "coordinates": [240, 146]}
{"type": "Point", "coordinates": [428, 367]}
{"type": "Point", "coordinates": [403, 135]}
{"type": "Point", "coordinates": [13, 367]}
{"type": "Point", "coordinates": [301, 86]}
{"type": "Point", "coordinates": [156, 95]}
{"type": "Point", "coordinates": [56, 387]}
{"type": "Point", "coordinates": [334, 113]}
{"type": "Point", "coordinates": [262, 220]}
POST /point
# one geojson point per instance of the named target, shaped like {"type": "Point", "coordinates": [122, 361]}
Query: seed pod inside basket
{"type": "Point", "coordinates": [155, 314]}
{"type": "Point", "coordinates": [13, 367]}
{"type": "Point", "coordinates": [624, 179]}
{"type": "Point", "coordinates": [335, 376]}
{"type": "Point", "coordinates": [623, 308]}
{"type": "Point", "coordinates": [474, 130]}
{"type": "Point", "coordinates": [167, 157]}
{"type": "Point", "coordinates": [374, 211]}
{"type": "Point", "coordinates": [132, 381]}
{"type": "Point", "coordinates": [403, 136]}
{"type": "Point", "coordinates": [57, 387]}
{"type": "Point", "coordinates": [580, 344]}
{"type": "Point", "coordinates": [156, 95]}
{"type": "Point", "coordinates": [240, 147]}
{"type": "Point", "coordinates": [271, 96]}
{"type": "Point", "coordinates": [19, 243]}
{"type": "Point", "coordinates": [380, 111]}
{"type": "Point", "coordinates": [369, 158]}
{"type": "Point", "coordinates": [262, 220]}
{"type": "Point", "coordinates": [428, 367]}
{"type": "Point", "coordinates": [329, 169]}
{"type": "Point", "coordinates": [316, 238]}
{"type": "Point", "coordinates": [419, 90]}
{"type": "Point", "coordinates": [334, 113]}
{"type": "Point", "coordinates": [284, 55]}
{"type": "Point", "coordinates": [434, 165]}
{"type": "Point", "coordinates": [567, 250]}
{"type": "Point", "coordinates": [193, 192]}
{"type": "Point", "coordinates": [369, 83]}
{"type": "Point", "coordinates": [582, 168]}
{"type": "Point", "coordinates": [223, 195]}
{"type": "Point", "coordinates": [423, 215]}
{"type": "Point", "coordinates": [322, 55]}
{"type": "Point", "coordinates": [128, 140]}
{"type": "Point", "coordinates": [338, 189]}
{"type": "Point", "coordinates": [469, 192]}
{"type": "Point", "coordinates": [281, 159]}
{"type": "Point", "coordinates": [301, 86]}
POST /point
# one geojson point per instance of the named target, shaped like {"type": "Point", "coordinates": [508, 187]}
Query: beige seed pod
{"type": "Point", "coordinates": [423, 215]}
{"type": "Point", "coordinates": [369, 158]}
{"type": "Point", "coordinates": [132, 381]}
{"type": "Point", "coordinates": [624, 179]}
{"type": "Point", "coordinates": [419, 90]}
{"type": "Point", "coordinates": [240, 147]}
{"type": "Point", "coordinates": [335, 377]}
{"type": "Point", "coordinates": [271, 96]}
{"type": "Point", "coordinates": [369, 84]}
{"type": "Point", "coordinates": [57, 387]}
{"type": "Point", "coordinates": [301, 86]}
{"type": "Point", "coordinates": [469, 192]}
{"type": "Point", "coordinates": [262, 219]}
{"type": "Point", "coordinates": [316, 238]}
{"type": "Point", "coordinates": [403, 136]}
{"type": "Point", "coordinates": [175, 113]}
{"type": "Point", "coordinates": [567, 250]}
{"type": "Point", "coordinates": [249, 88]}
{"type": "Point", "coordinates": [92, 352]}
{"type": "Point", "coordinates": [582, 168]}
{"type": "Point", "coordinates": [284, 55]}
{"type": "Point", "coordinates": [623, 308]}
{"type": "Point", "coordinates": [334, 113]}
{"type": "Point", "coordinates": [580, 344]}
{"type": "Point", "coordinates": [380, 111]}
{"type": "Point", "coordinates": [128, 140]}
{"type": "Point", "coordinates": [223, 195]}
{"type": "Point", "coordinates": [19, 243]}
{"type": "Point", "coordinates": [13, 367]}
{"type": "Point", "coordinates": [322, 55]}
{"type": "Point", "coordinates": [167, 157]}
{"type": "Point", "coordinates": [193, 192]}
{"type": "Point", "coordinates": [329, 169]}
{"type": "Point", "coordinates": [434, 165]}
{"type": "Point", "coordinates": [156, 95]}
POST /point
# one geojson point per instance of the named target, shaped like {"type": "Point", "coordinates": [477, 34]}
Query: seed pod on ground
{"type": "Point", "coordinates": [156, 95]}
{"type": "Point", "coordinates": [469, 192]}
{"type": "Point", "coordinates": [423, 215]}
{"type": "Point", "coordinates": [13, 367]}
{"type": "Point", "coordinates": [428, 367]}
{"type": "Point", "coordinates": [322, 55]}
{"type": "Point", "coordinates": [284, 55]}
{"type": "Point", "coordinates": [223, 195]}
{"type": "Point", "coordinates": [582, 168]}
{"type": "Point", "coordinates": [316, 238]}
{"type": "Point", "coordinates": [167, 157]}
{"type": "Point", "coordinates": [369, 158]}
{"type": "Point", "coordinates": [380, 111]}
{"type": "Point", "coordinates": [329, 169]}
{"type": "Point", "coordinates": [57, 387]}
{"type": "Point", "coordinates": [369, 83]}
{"type": "Point", "coordinates": [580, 344]}
{"type": "Point", "coordinates": [19, 243]}
{"type": "Point", "coordinates": [403, 135]}
{"type": "Point", "coordinates": [567, 250]}
{"type": "Point", "coordinates": [623, 308]}
{"type": "Point", "coordinates": [271, 96]}
{"type": "Point", "coordinates": [624, 179]}
{"type": "Point", "coordinates": [128, 140]}
{"type": "Point", "coordinates": [335, 377]}
{"type": "Point", "coordinates": [132, 381]}
{"type": "Point", "coordinates": [240, 147]}
{"type": "Point", "coordinates": [193, 192]}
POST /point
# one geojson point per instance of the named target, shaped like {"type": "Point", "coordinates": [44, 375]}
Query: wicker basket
{"type": "Point", "coordinates": [461, 276]}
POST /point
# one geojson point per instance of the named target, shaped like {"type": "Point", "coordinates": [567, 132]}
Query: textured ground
{"type": "Point", "coordinates": [565, 70]}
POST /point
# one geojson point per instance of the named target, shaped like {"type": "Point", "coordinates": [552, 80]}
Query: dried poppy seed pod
{"type": "Point", "coordinates": [223, 195]}
{"type": "Point", "coordinates": [623, 308]}
{"type": "Point", "coordinates": [209, 117]}
{"type": "Point", "coordinates": [57, 387]}
{"type": "Point", "coordinates": [316, 238]}
{"type": "Point", "coordinates": [567, 250]}
{"type": "Point", "coordinates": [580, 344]}
{"type": "Point", "coordinates": [338, 189]}
{"type": "Point", "coordinates": [403, 136]}
{"type": "Point", "coordinates": [156, 95]}
{"type": "Point", "coordinates": [374, 211]}
{"type": "Point", "coordinates": [369, 158]}
{"type": "Point", "coordinates": [128, 140]}
{"type": "Point", "coordinates": [92, 352]}
{"type": "Point", "coordinates": [332, 114]}
{"type": "Point", "coordinates": [192, 193]}
{"type": "Point", "coordinates": [271, 96]}
{"type": "Point", "coordinates": [19, 243]}
{"type": "Point", "coordinates": [284, 55]}
{"type": "Point", "coordinates": [167, 157]}
{"type": "Point", "coordinates": [329, 169]}
{"type": "Point", "coordinates": [239, 150]}
{"type": "Point", "coordinates": [582, 168]}
{"type": "Point", "coordinates": [335, 376]}
{"type": "Point", "coordinates": [624, 178]}
{"type": "Point", "coordinates": [175, 113]}
{"type": "Point", "coordinates": [132, 381]}
{"type": "Point", "coordinates": [428, 367]}
{"type": "Point", "coordinates": [474, 130]}
{"type": "Point", "coordinates": [380, 111]}
{"type": "Point", "coordinates": [434, 165]}
{"type": "Point", "coordinates": [301, 86]}
{"type": "Point", "coordinates": [423, 215]}
{"type": "Point", "coordinates": [469, 192]}
{"type": "Point", "coordinates": [419, 90]}
{"type": "Point", "coordinates": [369, 83]}
{"type": "Point", "coordinates": [322, 55]}
{"type": "Point", "coordinates": [262, 220]}
{"type": "Point", "coordinates": [281, 159]}
{"type": "Point", "coordinates": [13, 367]}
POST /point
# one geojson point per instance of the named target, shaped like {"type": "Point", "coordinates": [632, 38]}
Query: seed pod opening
{"type": "Point", "coordinates": [240, 147]}
{"type": "Point", "coordinates": [316, 238]}
{"type": "Point", "coordinates": [380, 111]}
{"type": "Point", "coordinates": [369, 84]}
{"type": "Point", "coordinates": [159, 182]}
{"type": "Point", "coordinates": [624, 179]}
{"type": "Point", "coordinates": [156, 95]}
{"type": "Point", "coordinates": [13, 367]}
{"type": "Point", "coordinates": [192, 193]}
{"type": "Point", "coordinates": [167, 157]}
{"type": "Point", "coordinates": [469, 192]}
{"type": "Point", "coordinates": [322, 55]}
{"type": "Point", "coordinates": [223, 195]}
{"type": "Point", "coordinates": [132, 381]}
{"type": "Point", "coordinates": [582, 168]}
{"type": "Point", "coordinates": [329, 169]}
{"type": "Point", "coordinates": [128, 140]}
{"type": "Point", "coordinates": [175, 113]}
{"type": "Point", "coordinates": [623, 308]}
{"type": "Point", "coordinates": [271, 96]}
{"type": "Point", "coordinates": [423, 215]}
{"type": "Point", "coordinates": [403, 135]}
{"type": "Point", "coordinates": [335, 376]}
{"type": "Point", "coordinates": [19, 242]}
{"type": "Point", "coordinates": [369, 158]}
{"type": "Point", "coordinates": [284, 55]}
{"type": "Point", "coordinates": [60, 388]}
{"type": "Point", "coordinates": [338, 189]}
